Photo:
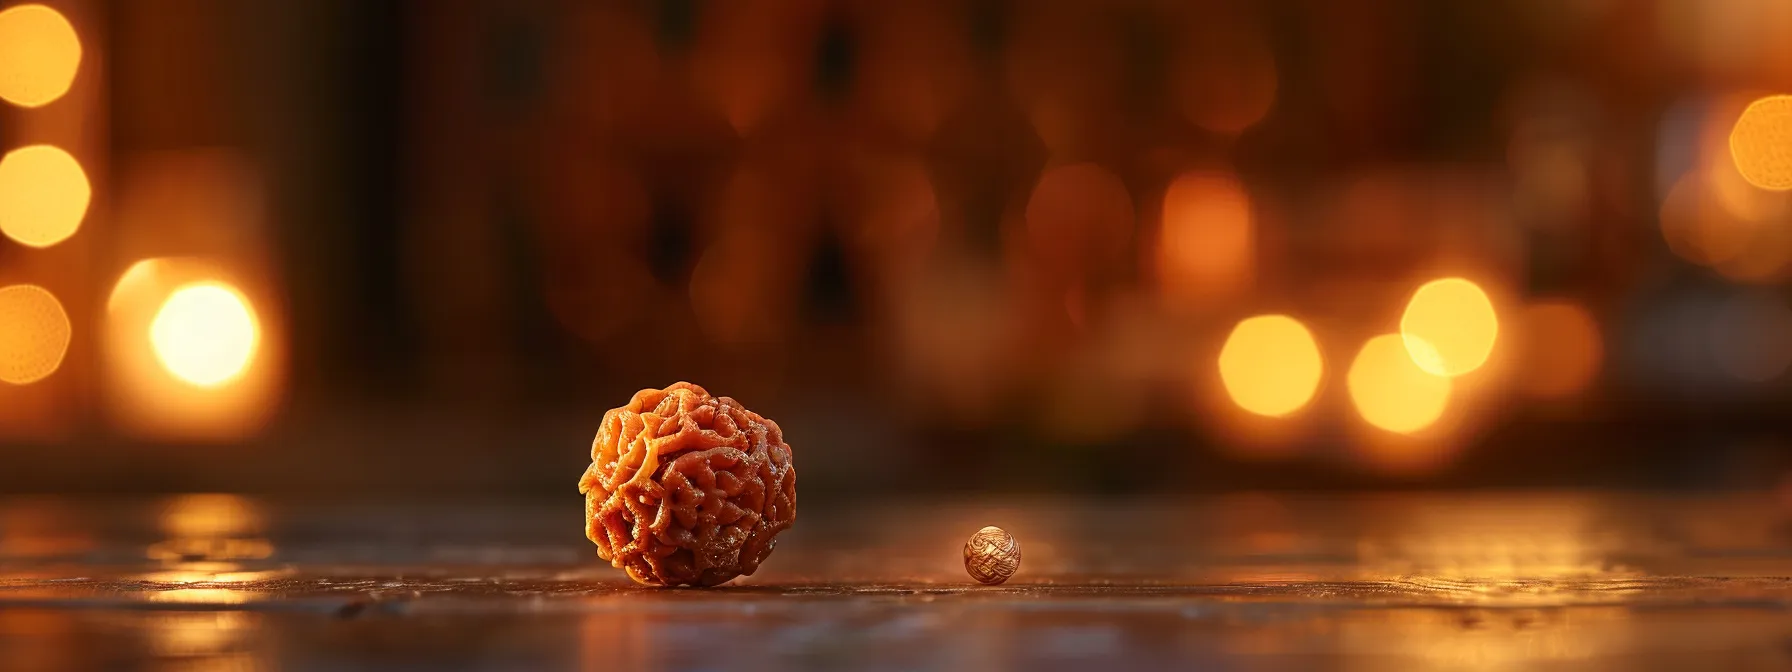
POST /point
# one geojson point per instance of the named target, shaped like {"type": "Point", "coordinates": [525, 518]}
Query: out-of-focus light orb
{"type": "Point", "coordinates": [1761, 143]}
{"type": "Point", "coordinates": [1711, 214]}
{"type": "Point", "coordinates": [1270, 365]}
{"type": "Point", "coordinates": [1078, 216]}
{"type": "Point", "coordinates": [1562, 351]}
{"type": "Point", "coordinates": [1224, 78]}
{"type": "Point", "coordinates": [1735, 194]}
{"type": "Point", "coordinates": [1697, 227]}
{"type": "Point", "coordinates": [134, 279]}
{"type": "Point", "coordinates": [1208, 236]}
{"type": "Point", "coordinates": [210, 515]}
{"type": "Point", "coordinates": [43, 195]}
{"type": "Point", "coordinates": [205, 333]}
{"type": "Point", "coordinates": [1390, 391]}
{"type": "Point", "coordinates": [34, 334]}
{"type": "Point", "coordinates": [1449, 327]}
{"type": "Point", "coordinates": [39, 54]}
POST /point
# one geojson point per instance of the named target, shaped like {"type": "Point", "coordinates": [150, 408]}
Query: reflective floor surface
{"type": "Point", "coordinates": [1570, 581]}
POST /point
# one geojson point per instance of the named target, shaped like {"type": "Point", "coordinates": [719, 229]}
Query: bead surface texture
{"type": "Point", "coordinates": [686, 488]}
{"type": "Point", "coordinates": [991, 556]}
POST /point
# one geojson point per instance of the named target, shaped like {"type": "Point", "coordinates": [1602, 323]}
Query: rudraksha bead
{"type": "Point", "coordinates": [687, 489]}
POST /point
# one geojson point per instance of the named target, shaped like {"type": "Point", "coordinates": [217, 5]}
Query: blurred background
{"type": "Point", "coordinates": [364, 248]}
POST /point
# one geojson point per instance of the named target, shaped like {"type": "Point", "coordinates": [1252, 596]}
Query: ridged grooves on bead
{"type": "Point", "coordinates": [687, 489]}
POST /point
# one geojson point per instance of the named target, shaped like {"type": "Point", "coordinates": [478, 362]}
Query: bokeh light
{"type": "Point", "coordinates": [1223, 77]}
{"type": "Point", "coordinates": [751, 58]}
{"type": "Point", "coordinates": [1711, 214]}
{"type": "Point", "coordinates": [1726, 40]}
{"type": "Point", "coordinates": [1765, 260]}
{"type": "Point", "coordinates": [43, 195]}
{"type": "Point", "coordinates": [1065, 72]}
{"type": "Point", "coordinates": [1734, 192]}
{"type": "Point", "coordinates": [39, 54]}
{"type": "Point", "coordinates": [1743, 240]}
{"type": "Point", "coordinates": [144, 395]}
{"type": "Point", "coordinates": [34, 334]}
{"type": "Point", "coordinates": [1761, 143]}
{"type": "Point", "coordinates": [1449, 327]}
{"type": "Point", "coordinates": [897, 213]}
{"type": "Point", "coordinates": [1563, 349]}
{"type": "Point", "coordinates": [1551, 154]}
{"type": "Point", "coordinates": [1078, 215]}
{"type": "Point", "coordinates": [211, 515]}
{"type": "Point", "coordinates": [1208, 238]}
{"type": "Point", "coordinates": [136, 279]}
{"type": "Point", "coordinates": [1696, 228]}
{"type": "Point", "coordinates": [1270, 365]}
{"type": "Point", "coordinates": [741, 297]}
{"type": "Point", "coordinates": [205, 333]}
{"type": "Point", "coordinates": [1389, 389]}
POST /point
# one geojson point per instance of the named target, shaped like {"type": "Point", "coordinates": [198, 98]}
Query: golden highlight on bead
{"type": "Point", "coordinates": [991, 556]}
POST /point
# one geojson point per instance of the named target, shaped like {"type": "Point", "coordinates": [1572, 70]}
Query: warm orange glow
{"type": "Point", "coordinates": [1391, 391]}
{"type": "Point", "coordinates": [749, 57]}
{"type": "Point", "coordinates": [1750, 221]}
{"type": "Point", "coordinates": [43, 195]}
{"type": "Point", "coordinates": [210, 515]}
{"type": "Point", "coordinates": [1734, 193]}
{"type": "Point", "coordinates": [206, 200]}
{"type": "Point", "coordinates": [1562, 349]}
{"type": "Point", "coordinates": [1449, 327]}
{"type": "Point", "coordinates": [1078, 216]}
{"type": "Point", "coordinates": [1696, 228]}
{"type": "Point", "coordinates": [43, 528]}
{"type": "Point", "coordinates": [1715, 216]}
{"type": "Point", "coordinates": [202, 596]}
{"type": "Point", "coordinates": [1743, 240]}
{"type": "Point", "coordinates": [215, 636]}
{"type": "Point", "coordinates": [738, 298]}
{"type": "Point", "coordinates": [136, 279]}
{"type": "Point", "coordinates": [1761, 143]}
{"type": "Point", "coordinates": [1765, 260]}
{"type": "Point", "coordinates": [34, 333]}
{"type": "Point", "coordinates": [900, 213]}
{"type": "Point", "coordinates": [216, 529]}
{"type": "Point", "coordinates": [205, 334]}
{"type": "Point", "coordinates": [144, 397]}
{"type": "Point", "coordinates": [1271, 365]}
{"type": "Point", "coordinates": [39, 54]}
{"type": "Point", "coordinates": [1208, 237]}
{"type": "Point", "coordinates": [1224, 78]}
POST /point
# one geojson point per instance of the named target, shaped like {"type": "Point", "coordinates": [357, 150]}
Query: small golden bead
{"type": "Point", "coordinates": [991, 556]}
